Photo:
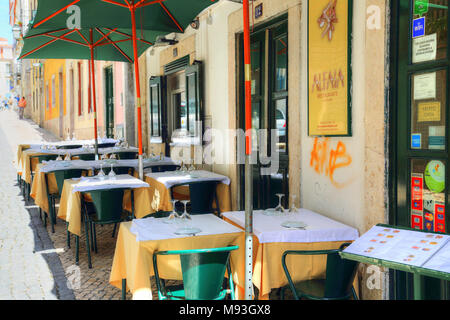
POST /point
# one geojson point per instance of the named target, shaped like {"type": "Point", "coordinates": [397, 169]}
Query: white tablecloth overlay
{"type": "Point", "coordinates": [122, 181]}
{"type": "Point", "coordinates": [319, 228]}
{"type": "Point", "coordinates": [38, 144]}
{"type": "Point", "coordinates": [53, 165]}
{"type": "Point", "coordinates": [149, 229]}
{"type": "Point", "coordinates": [78, 151]}
{"type": "Point", "coordinates": [171, 178]}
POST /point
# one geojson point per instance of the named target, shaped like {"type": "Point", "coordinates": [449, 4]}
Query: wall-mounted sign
{"type": "Point", "coordinates": [416, 141]}
{"type": "Point", "coordinates": [425, 86]}
{"type": "Point", "coordinates": [420, 7]}
{"type": "Point", "coordinates": [429, 111]}
{"type": "Point", "coordinates": [329, 74]}
{"type": "Point", "coordinates": [424, 48]}
{"type": "Point", "coordinates": [418, 27]}
{"type": "Point", "coordinates": [259, 11]}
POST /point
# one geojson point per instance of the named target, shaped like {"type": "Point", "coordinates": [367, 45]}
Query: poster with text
{"type": "Point", "coordinates": [329, 26]}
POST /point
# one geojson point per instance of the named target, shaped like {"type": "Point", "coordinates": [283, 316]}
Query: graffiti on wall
{"type": "Point", "coordinates": [327, 160]}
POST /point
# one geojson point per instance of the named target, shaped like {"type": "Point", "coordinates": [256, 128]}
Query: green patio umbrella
{"type": "Point", "coordinates": [91, 44]}
{"type": "Point", "coordinates": [164, 16]}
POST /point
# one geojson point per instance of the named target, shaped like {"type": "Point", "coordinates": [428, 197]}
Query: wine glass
{"type": "Point", "coordinates": [112, 174]}
{"type": "Point", "coordinates": [185, 216]}
{"type": "Point", "coordinates": [191, 167]}
{"type": "Point", "coordinates": [279, 208]}
{"type": "Point", "coordinates": [183, 167]}
{"type": "Point", "coordinates": [101, 173]}
{"type": "Point", "coordinates": [293, 208]}
{"type": "Point", "coordinates": [161, 156]}
{"type": "Point", "coordinates": [113, 156]}
{"type": "Point", "coordinates": [174, 216]}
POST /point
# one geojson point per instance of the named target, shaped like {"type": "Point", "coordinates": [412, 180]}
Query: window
{"type": "Point", "coordinates": [47, 95]}
{"type": "Point", "coordinates": [155, 107]}
{"type": "Point", "coordinates": [80, 89]}
{"type": "Point", "coordinates": [53, 92]}
{"type": "Point", "coordinates": [175, 114]}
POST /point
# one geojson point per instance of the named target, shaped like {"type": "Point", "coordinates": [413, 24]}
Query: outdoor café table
{"type": "Point", "coordinates": [70, 202]}
{"type": "Point", "coordinates": [139, 239]}
{"type": "Point", "coordinates": [24, 168]}
{"type": "Point", "coordinates": [161, 183]}
{"type": "Point", "coordinates": [419, 252]}
{"type": "Point", "coordinates": [271, 240]}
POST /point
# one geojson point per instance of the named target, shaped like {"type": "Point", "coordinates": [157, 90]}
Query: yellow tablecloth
{"type": "Point", "coordinates": [70, 205]}
{"type": "Point", "coordinates": [157, 197]}
{"type": "Point", "coordinates": [39, 190]}
{"type": "Point", "coordinates": [133, 260]}
{"type": "Point", "coordinates": [20, 149]}
{"type": "Point", "coordinates": [23, 166]}
{"type": "Point", "coordinates": [268, 272]}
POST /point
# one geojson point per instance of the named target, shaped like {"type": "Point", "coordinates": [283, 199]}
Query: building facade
{"type": "Point", "coordinates": [361, 178]}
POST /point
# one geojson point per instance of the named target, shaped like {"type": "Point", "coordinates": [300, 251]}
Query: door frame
{"type": "Point", "coordinates": [267, 97]}
{"type": "Point", "coordinates": [109, 70]}
{"type": "Point", "coordinates": [401, 283]}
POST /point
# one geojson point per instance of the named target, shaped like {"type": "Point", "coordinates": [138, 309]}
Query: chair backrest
{"type": "Point", "coordinates": [69, 147]}
{"type": "Point", "coordinates": [340, 274]}
{"type": "Point", "coordinates": [106, 145]}
{"type": "Point", "coordinates": [62, 175]}
{"type": "Point", "coordinates": [86, 156]}
{"type": "Point", "coordinates": [202, 195]}
{"type": "Point", "coordinates": [40, 159]}
{"type": "Point", "coordinates": [117, 170]}
{"type": "Point", "coordinates": [164, 168]}
{"type": "Point", "coordinates": [127, 155]}
{"type": "Point", "coordinates": [108, 204]}
{"type": "Point", "coordinates": [203, 271]}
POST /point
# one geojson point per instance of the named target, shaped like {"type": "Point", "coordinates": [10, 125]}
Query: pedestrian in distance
{"type": "Point", "coordinates": [22, 106]}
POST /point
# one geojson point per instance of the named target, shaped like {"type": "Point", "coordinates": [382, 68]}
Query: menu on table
{"type": "Point", "coordinates": [404, 246]}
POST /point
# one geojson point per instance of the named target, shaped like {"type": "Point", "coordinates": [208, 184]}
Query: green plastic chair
{"type": "Point", "coordinates": [202, 195]}
{"type": "Point", "coordinates": [69, 147]}
{"type": "Point", "coordinates": [105, 208]}
{"type": "Point", "coordinates": [86, 156]}
{"type": "Point", "coordinates": [338, 282]}
{"type": "Point", "coordinates": [164, 168]}
{"type": "Point", "coordinates": [126, 155]}
{"type": "Point", "coordinates": [60, 176]}
{"type": "Point", "coordinates": [106, 145]}
{"type": "Point", "coordinates": [27, 186]}
{"type": "Point", "coordinates": [117, 170]}
{"type": "Point", "coordinates": [203, 273]}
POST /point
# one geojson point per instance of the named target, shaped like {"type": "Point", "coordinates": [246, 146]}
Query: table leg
{"type": "Point", "coordinates": [418, 287]}
{"type": "Point", "coordinates": [124, 289]}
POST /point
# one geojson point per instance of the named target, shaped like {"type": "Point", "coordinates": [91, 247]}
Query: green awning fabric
{"type": "Point", "coordinates": [163, 15]}
{"type": "Point", "coordinates": [110, 44]}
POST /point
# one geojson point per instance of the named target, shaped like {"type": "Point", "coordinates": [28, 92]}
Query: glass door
{"type": "Point", "coordinates": [420, 144]}
{"type": "Point", "coordinates": [269, 52]}
{"type": "Point", "coordinates": [109, 98]}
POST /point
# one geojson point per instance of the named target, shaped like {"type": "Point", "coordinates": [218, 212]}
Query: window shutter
{"type": "Point", "coordinates": [194, 98]}
{"type": "Point", "coordinates": [156, 111]}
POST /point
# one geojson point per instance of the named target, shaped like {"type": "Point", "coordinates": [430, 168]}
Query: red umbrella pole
{"type": "Point", "coordinates": [138, 91]}
{"type": "Point", "coordinates": [92, 86]}
{"type": "Point", "coordinates": [248, 151]}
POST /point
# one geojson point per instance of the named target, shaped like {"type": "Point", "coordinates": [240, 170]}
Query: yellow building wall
{"type": "Point", "coordinates": [52, 68]}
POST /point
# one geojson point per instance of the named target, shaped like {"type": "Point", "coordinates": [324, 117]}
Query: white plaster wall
{"type": "Point", "coordinates": [317, 191]}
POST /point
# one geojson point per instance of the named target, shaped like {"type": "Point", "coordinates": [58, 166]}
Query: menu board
{"type": "Point", "coordinates": [441, 260]}
{"type": "Point", "coordinates": [402, 246]}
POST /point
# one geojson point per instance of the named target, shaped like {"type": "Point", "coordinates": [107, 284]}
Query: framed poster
{"type": "Point", "coordinates": [329, 67]}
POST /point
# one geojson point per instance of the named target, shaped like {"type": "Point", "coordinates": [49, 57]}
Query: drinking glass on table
{"type": "Point", "coordinates": [101, 173]}
{"type": "Point", "coordinates": [185, 216]}
{"type": "Point", "coordinates": [112, 174]}
{"type": "Point", "coordinates": [174, 217]}
{"type": "Point", "coordinates": [279, 208]}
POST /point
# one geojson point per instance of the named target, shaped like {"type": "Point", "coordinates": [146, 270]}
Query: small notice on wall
{"type": "Point", "coordinates": [424, 48]}
{"type": "Point", "coordinates": [425, 86]}
{"type": "Point", "coordinates": [429, 111]}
